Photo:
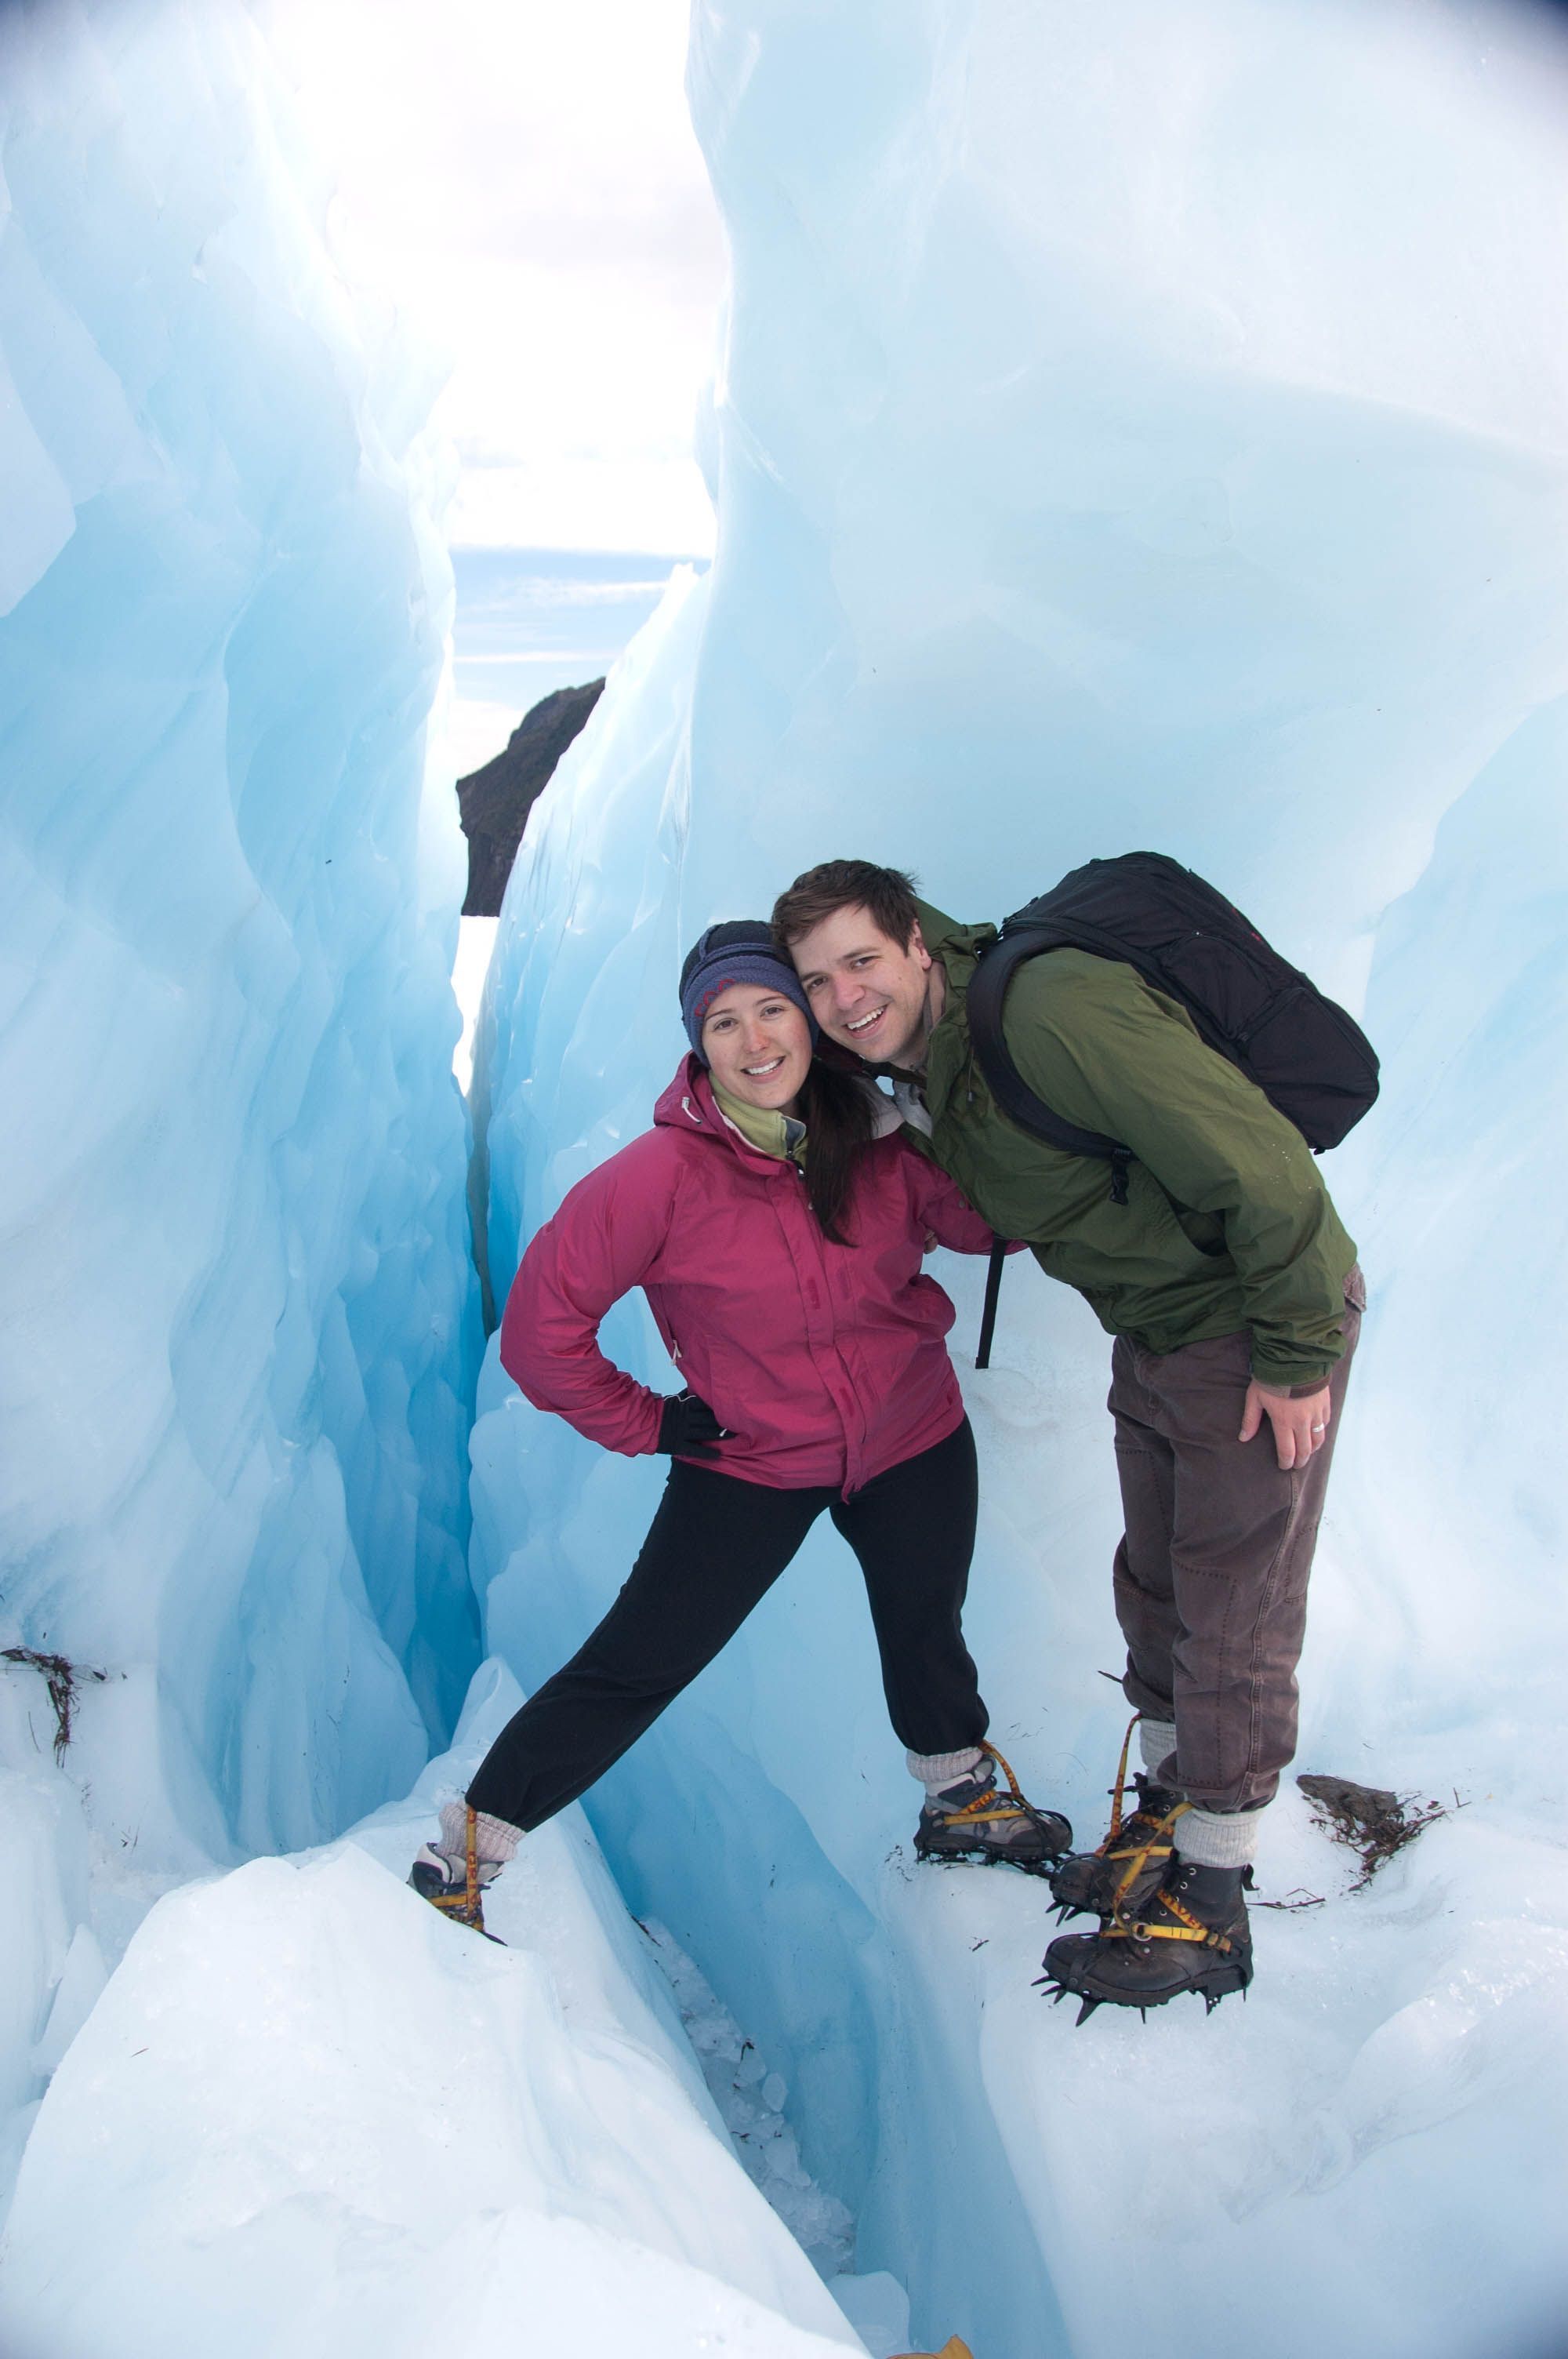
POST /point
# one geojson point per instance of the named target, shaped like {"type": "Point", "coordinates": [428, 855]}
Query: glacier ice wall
{"type": "Point", "coordinates": [359, 2121]}
{"type": "Point", "coordinates": [238, 1327]}
{"type": "Point", "coordinates": [1141, 427]}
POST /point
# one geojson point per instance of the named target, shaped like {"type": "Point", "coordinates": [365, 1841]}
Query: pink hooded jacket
{"type": "Point", "coordinates": [826, 1363]}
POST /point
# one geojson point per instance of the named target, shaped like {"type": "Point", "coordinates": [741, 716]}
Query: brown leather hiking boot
{"type": "Point", "coordinates": [1128, 1865]}
{"type": "Point", "coordinates": [1193, 1934]}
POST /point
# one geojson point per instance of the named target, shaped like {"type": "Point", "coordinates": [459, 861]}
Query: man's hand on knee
{"type": "Point", "coordinates": [1299, 1426]}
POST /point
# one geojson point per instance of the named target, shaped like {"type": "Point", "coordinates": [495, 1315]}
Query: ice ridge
{"type": "Point", "coordinates": [241, 1324]}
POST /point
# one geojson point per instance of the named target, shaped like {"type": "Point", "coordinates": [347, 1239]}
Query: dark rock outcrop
{"type": "Point", "coordinates": [495, 802]}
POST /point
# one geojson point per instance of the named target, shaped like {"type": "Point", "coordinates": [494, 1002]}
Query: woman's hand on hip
{"type": "Point", "coordinates": [687, 1429]}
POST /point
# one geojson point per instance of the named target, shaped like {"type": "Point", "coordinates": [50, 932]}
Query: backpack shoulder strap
{"type": "Point", "coordinates": [986, 995]}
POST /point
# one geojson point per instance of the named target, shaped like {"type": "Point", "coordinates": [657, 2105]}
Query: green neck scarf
{"type": "Point", "coordinates": [773, 1133]}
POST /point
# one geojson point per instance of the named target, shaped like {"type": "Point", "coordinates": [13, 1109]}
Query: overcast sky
{"type": "Point", "coordinates": [523, 177]}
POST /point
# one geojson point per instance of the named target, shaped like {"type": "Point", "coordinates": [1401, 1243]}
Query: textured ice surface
{"type": "Point", "coordinates": [750, 2100]}
{"type": "Point", "coordinates": [238, 1317]}
{"type": "Point", "coordinates": [309, 2116]}
{"type": "Point", "coordinates": [1132, 430]}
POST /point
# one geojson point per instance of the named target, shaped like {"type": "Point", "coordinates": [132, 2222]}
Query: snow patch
{"type": "Point", "coordinates": [309, 2115]}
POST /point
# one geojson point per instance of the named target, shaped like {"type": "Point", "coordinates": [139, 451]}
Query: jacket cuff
{"type": "Point", "coordinates": [648, 1447]}
{"type": "Point", "coordinates": [1290, 1384]}
{"type": "Point", "coordinates": [1300, 1391]}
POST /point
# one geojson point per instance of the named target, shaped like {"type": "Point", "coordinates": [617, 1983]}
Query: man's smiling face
{"type": "Point", "coordinates": [866, 992]}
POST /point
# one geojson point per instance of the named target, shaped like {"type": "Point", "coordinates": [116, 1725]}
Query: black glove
{"type": "Point", "coordinates": [687, 1427]}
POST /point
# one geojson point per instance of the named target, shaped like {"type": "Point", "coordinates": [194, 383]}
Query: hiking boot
{"type": "Point", "coordinates": [454, 1884]}
{"type": "Point", "coordinates": [975, 1819]}
{"type": "Point", "coordinates": [1192, 1935]}
{"type": "Point", "coordinates": [1128, 1866]}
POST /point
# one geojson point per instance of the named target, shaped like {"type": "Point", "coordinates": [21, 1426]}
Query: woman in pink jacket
{"type": "Point", "coordinates": [775, 1222]}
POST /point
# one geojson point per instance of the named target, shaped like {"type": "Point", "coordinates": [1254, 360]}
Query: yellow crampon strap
{"type": "Point", "coordinates": [952, 2349]}
{"type": "Point", "coordinates": [1136, 1860]}
{"type": "Point", "coordinates": [1119, 1795]}
{"type": "Point", "coordinates": [1188, 1928]}
{"type": "Point", "coordinates": [1119, 1789]}
{"type": "Point", "coordinates": [1118, 1930]}
{"type": "Point", "coordinates": [986, 1809]}
{"type": "Point", "coordinates": [466, 1905]}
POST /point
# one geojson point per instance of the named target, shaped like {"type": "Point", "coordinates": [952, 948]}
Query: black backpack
{"type": "Point", "coordinates": [1305, 1054]}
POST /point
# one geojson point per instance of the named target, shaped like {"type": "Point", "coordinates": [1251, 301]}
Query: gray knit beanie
{"type": "Point", "coordinates": [741, 950]}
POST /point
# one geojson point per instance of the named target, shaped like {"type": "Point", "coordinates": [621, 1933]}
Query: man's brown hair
{"type": "Point", "coordinates": [886, 895]}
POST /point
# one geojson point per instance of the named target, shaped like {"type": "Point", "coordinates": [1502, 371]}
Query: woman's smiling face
{"type": "Point", "coordinates": [758, 1046]}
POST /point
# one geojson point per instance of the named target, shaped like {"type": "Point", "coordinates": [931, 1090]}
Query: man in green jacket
{"type": "Point", "coordinates": [1232, 1291]}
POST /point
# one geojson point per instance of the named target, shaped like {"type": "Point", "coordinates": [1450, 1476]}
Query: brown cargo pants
{"type": "Point", "coordinates": [1211, 1575]}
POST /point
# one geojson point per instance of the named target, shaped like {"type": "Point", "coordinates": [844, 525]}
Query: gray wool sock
{"type": "Point", "coordinates": [1217, 1838]}
{"type": "Point", "coordinates": [497, 1841]}
{"type": "Point", "coordinates": [1156, 1742]}
{"type": "Point", "coordinates": [937, 1771]}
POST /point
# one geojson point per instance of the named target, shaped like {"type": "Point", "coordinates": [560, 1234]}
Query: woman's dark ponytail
{"type": "Point", "coordinates": [840, 1117]}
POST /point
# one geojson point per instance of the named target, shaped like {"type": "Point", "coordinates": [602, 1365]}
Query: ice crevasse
{"type": "Point", "coordinates": [239, 1331]}
{"type": "Point", "coordinates": [240, 1325]}
{"type": "Point", "coordinates": [1130, 427]}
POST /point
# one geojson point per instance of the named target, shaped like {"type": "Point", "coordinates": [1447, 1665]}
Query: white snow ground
{"type": "Point", "coordinates": [308, 2116]}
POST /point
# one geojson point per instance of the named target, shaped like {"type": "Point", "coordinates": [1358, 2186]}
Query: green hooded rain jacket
{"type": "Point", "coordinates": [1227, 1224]}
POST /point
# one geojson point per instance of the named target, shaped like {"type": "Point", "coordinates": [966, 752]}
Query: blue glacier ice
{"type": "Point", "coordinates": [1134, 429]}
{"type": "Point", "coordinates": [1130, 427]}
{"type": "Point", "coordinates": [286, 2107]}
{"type": "Point", "coordinates": [366, 2132]}
{"type": "Point", "coordinates": [240, 1324]}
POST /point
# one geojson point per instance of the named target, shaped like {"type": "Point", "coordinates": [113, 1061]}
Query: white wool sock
{"type": "Point", "coordinates": [1156, 1742]}
{"type": "Point", "coordinates": [937, 1771]}
{"type": "Point", "coordinates": [496, 1840]}
{"type": "Point", "coordinates": [1217, 1838]}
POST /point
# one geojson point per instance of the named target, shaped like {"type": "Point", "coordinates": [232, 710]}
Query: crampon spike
{"type": "Point", "coordinates": [1086, 2009]}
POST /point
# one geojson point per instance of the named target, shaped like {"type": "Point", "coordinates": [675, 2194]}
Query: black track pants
{"type": "Point", "coordinates": [714, 1549]}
